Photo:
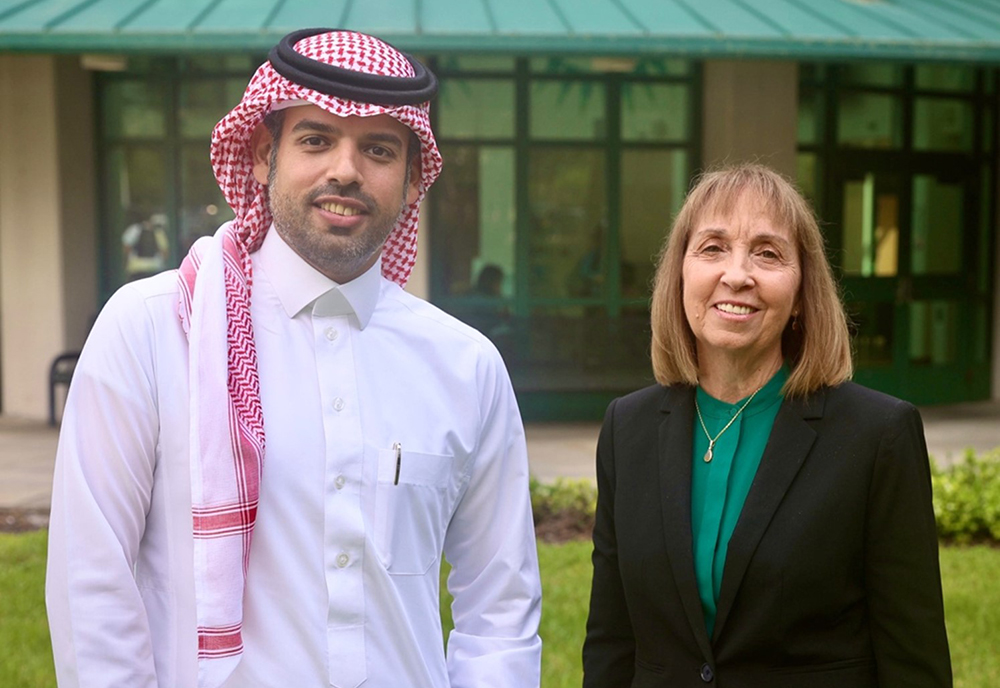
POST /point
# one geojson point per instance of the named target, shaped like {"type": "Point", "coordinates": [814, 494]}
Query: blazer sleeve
{"type": "Point", "coordinates": [609, 648]}
{"type": "Point", "coordinates": [901, 561]}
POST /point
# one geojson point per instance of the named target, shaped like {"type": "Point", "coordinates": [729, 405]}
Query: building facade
{"type": "Point", "coordinates": [563, 169]}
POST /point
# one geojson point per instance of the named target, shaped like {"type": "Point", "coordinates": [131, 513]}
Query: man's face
{"type": "Point", "coordinates": [337, 186]}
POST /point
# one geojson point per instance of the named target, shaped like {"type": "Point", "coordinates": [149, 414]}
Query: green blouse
{"type": "Point", "coordinates": [719, 488]}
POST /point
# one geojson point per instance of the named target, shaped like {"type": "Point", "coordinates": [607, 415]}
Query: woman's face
{"type": "Point", "coordinates": [741, 282]}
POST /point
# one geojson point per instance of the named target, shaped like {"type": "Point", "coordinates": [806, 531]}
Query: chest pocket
{"type": "Point", "coordinates": [414, 498]}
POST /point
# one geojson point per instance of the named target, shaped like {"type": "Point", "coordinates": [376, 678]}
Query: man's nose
{"type": "Point", "coordinates": [343, 165]}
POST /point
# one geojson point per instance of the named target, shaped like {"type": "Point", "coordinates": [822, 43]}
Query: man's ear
{"type": "Point", "coordinates": [413, 190]}
{"type": "Point", "coordinates": [260, 144]}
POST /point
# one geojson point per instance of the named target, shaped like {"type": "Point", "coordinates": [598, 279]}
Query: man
{"type": "Point", "coordinates": [265, 453]}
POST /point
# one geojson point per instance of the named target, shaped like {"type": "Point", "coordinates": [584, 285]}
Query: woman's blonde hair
{"type": "Point", "coordinates": [815, 343]}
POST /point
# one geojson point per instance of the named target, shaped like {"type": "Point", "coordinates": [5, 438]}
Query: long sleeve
{"type": "Point", "coordinates": [490, 544]}
{"type": "Point", "coordinates": [902, 573]}
{"type": "Point", "coordinates": [609, 649]}
{"type": "Point", "coordinates": [101, 493]}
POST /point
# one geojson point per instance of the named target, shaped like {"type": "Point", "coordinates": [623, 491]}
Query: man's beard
{"type": "Point", "coordinates": [292, 221]}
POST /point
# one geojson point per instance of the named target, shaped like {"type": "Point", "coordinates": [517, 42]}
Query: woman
{"type": "Point", "coordinates": [761, 521]}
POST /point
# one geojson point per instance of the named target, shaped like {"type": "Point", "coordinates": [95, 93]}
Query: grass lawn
{"type": "Point", "coordinates": [972, 600]}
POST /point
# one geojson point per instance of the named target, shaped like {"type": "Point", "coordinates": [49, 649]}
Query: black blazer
{"type": "Point", "coordinates": [831, 578]}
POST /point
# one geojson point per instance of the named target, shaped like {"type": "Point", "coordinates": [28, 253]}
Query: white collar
{"type": "Point", "coordinates": [298, 284]}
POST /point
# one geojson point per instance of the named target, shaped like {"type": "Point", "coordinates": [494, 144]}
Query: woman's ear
{"type": "Point", "coordinates": [261, 143]}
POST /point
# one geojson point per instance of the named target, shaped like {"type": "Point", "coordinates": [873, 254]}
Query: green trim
{"type": "Point", "coordinates": [792, 48]}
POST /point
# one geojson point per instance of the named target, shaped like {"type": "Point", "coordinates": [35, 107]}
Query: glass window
{"type": "Point", "coordinates": [137, 202]}
{"type": "Point", "coordinates": [567, 110]}
{"type": "Point", "coordinates": [654, 183]}
{"type": "Point", "coordinates": [810, 117]}
{"type": "Point", "coordinates": [564, 65]}
{"type": "Point", "coordinates": [938, 226]}
{"type": "Point", "coordinates": [933, 332]}
{"type": "Point", "coordinates": [941, 124]}
{"type": "Point", "coordinates": [869, 120]}
{"type": "Point", "coordinates": [945, 77]}
{"type": "Point", "coordinates": [871, 74]}
{"type": "Point", "coordinates": [223, 63]}
{"type": "Point", "coordinates": [986, 223]}
{"type": "Point", "coordinates": [807, 176]}
{"type": "Point", "coordinates": [135, 109]}
{"type": "Point", "coordinates": [203, 208]}
{"type": "Point", "coordinates": [654, 112]}
{"type": "Point", "coordinates": [988, 129]}
{"type": "Point", "coordinates": [872, 325]}
{"type": "Point", "coordinates": [203, 102]}
{"type": "Point", "coordinates": [568, 223]}
{"type": "Point", "coordinates": [476, 108]}
{"type": "Point", "coordinates": [475, 218]}
{"type": "Point", "coordinates": [871, 229]}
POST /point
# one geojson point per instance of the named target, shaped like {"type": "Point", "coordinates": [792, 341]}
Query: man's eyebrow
{"type": "Point", "coordinates": [325, 128]}
{"type": "Point", "coordinates": [314, 125]}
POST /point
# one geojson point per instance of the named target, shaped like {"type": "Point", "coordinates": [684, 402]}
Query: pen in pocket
{"type": "Point", "coordinates": [398, 448]}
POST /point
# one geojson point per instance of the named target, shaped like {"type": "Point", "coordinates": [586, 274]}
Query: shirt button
{"type": "Point", "coordinates": [331, 334]}
{"type": "Point", "coordinates": [339, 481]}
{"type": "Point", "coordinates": [338, 404]}
{"type": "Point", "coordinates": [342, 560]}
{"type": "Point", "coordinates": [706, 671]}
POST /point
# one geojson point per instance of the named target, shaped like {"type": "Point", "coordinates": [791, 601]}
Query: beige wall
{"type": "Point", "coordinates": [750, 113]}
{"type": "Point", "coordinates": [47, 236]}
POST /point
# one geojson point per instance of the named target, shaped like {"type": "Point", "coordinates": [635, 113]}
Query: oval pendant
{"type": "Point", "coordinates": [708, 455]}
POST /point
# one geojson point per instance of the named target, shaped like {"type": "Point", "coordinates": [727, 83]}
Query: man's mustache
{"type": "Point", "coordinates": [352, 191]}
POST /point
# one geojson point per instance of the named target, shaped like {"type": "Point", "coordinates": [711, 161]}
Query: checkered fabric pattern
{"type": "Point", "coordinates": [227, 426]}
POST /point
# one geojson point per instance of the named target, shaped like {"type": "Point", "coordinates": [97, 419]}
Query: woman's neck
{"type": "Point", "coordinates": [730, 379]}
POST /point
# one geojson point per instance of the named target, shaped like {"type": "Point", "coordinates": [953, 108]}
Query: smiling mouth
{"type": "Point", "coordinates": [734, 309]}
{"type": "Point", "coordinates": [339, 209]}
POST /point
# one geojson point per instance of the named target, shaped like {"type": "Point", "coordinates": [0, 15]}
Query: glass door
{"type": "Point", "coordinates": [904, 241]}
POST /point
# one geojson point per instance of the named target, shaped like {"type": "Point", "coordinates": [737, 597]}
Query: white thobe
{"type": "Point", "coordinates": [342, 586]}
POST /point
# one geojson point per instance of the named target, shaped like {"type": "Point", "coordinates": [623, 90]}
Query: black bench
{"type": "Point", "coordinates": [60, 373]}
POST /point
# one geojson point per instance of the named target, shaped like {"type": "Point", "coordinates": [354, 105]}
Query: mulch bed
{"type": "Point", "coordinates": [19, 520]}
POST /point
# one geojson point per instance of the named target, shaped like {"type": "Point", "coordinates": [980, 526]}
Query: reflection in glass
{"type": "Point", "coordinates": [871, 229]}
{"type": "Point", "coordinates": [653, 186]}
{"type": "Point", "coordinates": [476, 108]}
{"type": "Point", "coordinates": [203, 102]}
{"type": "Point", "coordinates": [872, 325]}
{"type": "Point", "coordinates": [654, 112]}
{"type": "Point", "coordinates": [869, 120]}
{"type": "Point", "coordinates": [474, 204]}
{"type": "Point", "coordinates": [475, 63]}
{"type": "Point", "coordinates": [135, 109]}
{"type": "Point", "coordinates": [806, 176]}
{"type": "Point", "coordinates": [567, 110]}
{"type": "Point", "coordinates": [942, 77]}
{"type": "Point", "coordinates": [568, 223]}
{"type": "Point", "coordinates": [810, 117]}
{"type": "Point", "coordinates": [871, 74]}
{"type": "Point", "coordinates": [938, 226]}
{"type": "Point", "coordinates": [203, 207]}
{"type": "Point", "coordinates": [137, 209]}
{"type": "Point", "coordinates": [933, 332]}
{"type": "Point", "coordinates": [942, 124]}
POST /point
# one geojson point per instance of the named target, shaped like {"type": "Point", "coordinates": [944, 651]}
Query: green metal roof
{"type": "Point", "coordinates": [965, 30]}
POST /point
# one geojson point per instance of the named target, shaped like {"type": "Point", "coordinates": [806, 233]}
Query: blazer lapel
{"type": "Point", "coordinates": [675, 447]}
{"type": "Point", "coordinates": [790, 441]}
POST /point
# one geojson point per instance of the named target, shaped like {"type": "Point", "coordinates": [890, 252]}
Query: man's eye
{"type": "Point", "coordinates": [380, 151]}
{"type": "Point", "coordinates": [314, 141]}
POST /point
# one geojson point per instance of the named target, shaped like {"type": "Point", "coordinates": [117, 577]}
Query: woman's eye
{"type": "Point", "coordinates": [768, 254]}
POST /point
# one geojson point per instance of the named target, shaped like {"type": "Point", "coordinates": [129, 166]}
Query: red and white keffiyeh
{"type": "Point", "coordinates": [227, 425]}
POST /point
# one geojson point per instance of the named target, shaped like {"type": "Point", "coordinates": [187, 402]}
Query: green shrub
{"type": "Point", "coordinates": [967, 498]}
{"type": "Point", "coordinates": [563, 510]}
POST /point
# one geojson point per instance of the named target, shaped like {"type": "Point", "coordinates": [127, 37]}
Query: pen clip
{"type": "Point", "coordinates": [398, 448]}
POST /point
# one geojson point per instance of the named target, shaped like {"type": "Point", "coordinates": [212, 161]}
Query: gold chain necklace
{"type": "Point", "coordinates": [713, 440]}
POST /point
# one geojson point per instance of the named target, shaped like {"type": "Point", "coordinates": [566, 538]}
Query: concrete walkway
{"type": "Point", "coordinates": [563, 450]}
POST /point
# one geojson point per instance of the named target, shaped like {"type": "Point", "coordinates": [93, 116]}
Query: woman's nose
{"type": "Point", "coordinates": [738, 273]}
